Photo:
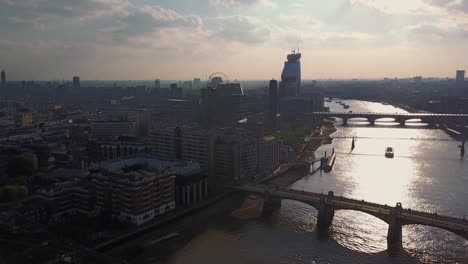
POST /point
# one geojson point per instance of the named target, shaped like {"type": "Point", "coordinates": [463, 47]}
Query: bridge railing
{"type": "Point", "coordinates": [408, 211]}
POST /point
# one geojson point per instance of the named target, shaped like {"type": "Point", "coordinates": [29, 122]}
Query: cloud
{"type": "Point", "coordinates": [238, 28]}
{"type": "Point", "coordinates": [243, 3]}
{"type": "Point", "coordinates": [453, 5]}
{"type": "Point", "coordinates": [39, 12]}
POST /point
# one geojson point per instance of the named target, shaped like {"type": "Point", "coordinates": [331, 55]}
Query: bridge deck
{"type": "Point", "coordinates": [359, 114]}
{"type": "Point", "coordinates": [407, 215]}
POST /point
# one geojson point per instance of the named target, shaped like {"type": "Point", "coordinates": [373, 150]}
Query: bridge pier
{"type": "Point", "coordinates": [269, 203]}
{"type": "Point", "coordinates": [371, 121]}
{"type": "Point", "coordinates": [345, 121]}
{"type": "Point", "coordinates": [326, 213]}
{"type": "Point", "coordinates": [394, 234]}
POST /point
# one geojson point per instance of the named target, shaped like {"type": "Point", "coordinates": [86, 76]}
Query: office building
{"type": "Point", "coordinates": [166, 143]}
{"type": "Point", "coordinates": [291, 76]}
{"type": "Point", "coordinates": [111, 130]}
{"type": "Point", "coordinates": [197, 85]}
{"type": "Point", "coordinates": [182, 143]}
{"type": "Point", "coordinates": [195, 146]}
{"type": "Point", "coordinates": [460, 78]}
{"type": "Point", "coordinates": [234, 158]}
{"type": "Point", "coordinates": [222, 103]}
{"type": "Point", "coordinates": [178, 111]}
{"type": "Point", "coordinates": [76, 82]}
{"type": "Point", "coordinates": [175, 91]}
{"type": "Point", "coordinates": [3, 78]}
{"type": "Point", "coordinates": [273, 106]}
{"type": "Point", "coordinates": [67, 199]}
{"type": "Point", "coordinates": [268, 154]}
{"type": "Point", "coordinates": [187, 86]}
{"type": "Point", "coordinates": [122, 147]}
{"type": "Point", "coordinates": [142, 122]}
{"type": "Point", "coordinates": [191, 189]}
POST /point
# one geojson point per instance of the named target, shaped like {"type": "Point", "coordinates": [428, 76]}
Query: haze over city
{"type": "Point", "coordinates": [236, 131]}
{"type": "Point", "coordinates": [144, 39]}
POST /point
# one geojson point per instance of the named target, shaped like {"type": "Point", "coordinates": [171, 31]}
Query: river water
{"type": "Point", "coordinates": [426, 174]}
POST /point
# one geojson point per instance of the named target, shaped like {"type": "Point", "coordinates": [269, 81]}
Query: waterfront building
{"type": "Point", "coordinates": [76, 82]}
{"type": "Point", "coordinates": [139, 189]}
{"type": "Point", "coordinates": [291, 76]}
{"type": "Point", "coordinates": [268, 154]}
{"type": "Point", "coordinates": [191, 189]}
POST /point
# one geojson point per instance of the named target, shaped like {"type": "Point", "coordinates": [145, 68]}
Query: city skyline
{"type": "Point", "coordinates": [138, 40]}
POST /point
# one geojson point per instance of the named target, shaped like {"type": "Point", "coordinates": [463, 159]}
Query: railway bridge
{"type": "Point", "coordinates": [429, 118]}
{"type": "Point", "coordinates": [395, 217]}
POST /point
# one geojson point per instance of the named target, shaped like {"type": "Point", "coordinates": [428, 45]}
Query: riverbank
{"type": "Point", "coordinates": [307, 155]}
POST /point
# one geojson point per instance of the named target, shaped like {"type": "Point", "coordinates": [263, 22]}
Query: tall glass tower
{"type": "Point", "coordinates": [291, 76]}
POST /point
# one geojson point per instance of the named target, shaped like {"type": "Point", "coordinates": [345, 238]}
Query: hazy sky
{"type": "Point", "coordinates": [246, 39]}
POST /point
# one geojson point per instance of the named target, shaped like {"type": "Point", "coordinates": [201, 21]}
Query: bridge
{"type": "Point", "coordinates": [395, 217]}
{"type": "Point", "coordinates": [429, 118]}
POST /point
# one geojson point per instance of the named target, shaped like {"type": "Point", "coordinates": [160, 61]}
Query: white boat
{"type": "Point", "coordinates": [389, 152]}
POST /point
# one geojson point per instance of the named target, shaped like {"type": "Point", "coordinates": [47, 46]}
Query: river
{"type": "Point", "coordinates": [426, 174]}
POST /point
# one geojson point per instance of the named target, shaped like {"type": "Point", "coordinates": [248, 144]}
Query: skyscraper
{"type": "Point", "coordinates": [460, 77]}
{"type": "Point", "coordinates": [3, 78]}
{"type": "Point", "coordinates": [76, 82]}
{"type": "Point", "coordinates": [157, 84]}
{"type": "Point", "coordinates": [273, 105]}
{"type": "Point", "coordinates": [197, 84]}
{"type": "Point", "coordinates": [291, 76]}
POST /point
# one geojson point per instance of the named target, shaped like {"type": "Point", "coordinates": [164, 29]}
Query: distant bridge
{"type": "Point", "coordinates": [429, 118]}
{"type": "Point", "coordinates": [395, 217]}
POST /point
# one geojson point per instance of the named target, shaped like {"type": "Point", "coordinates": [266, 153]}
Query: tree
{"type": "Point", "coordinates": [44, 179]}
{"type": "Point", "coordinates": [10, 193]}
{"type": "Point", "coordinates": [25, 164]}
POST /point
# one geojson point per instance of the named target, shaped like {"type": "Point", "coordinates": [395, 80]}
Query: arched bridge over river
{"type": "Point", "coordinates": [429, 118]}
{"type": "Point", "coordinates": [395, 217]}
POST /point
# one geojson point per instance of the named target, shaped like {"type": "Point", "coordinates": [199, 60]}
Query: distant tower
{"type": "Point", "coordinates": [197, 84]}
{"type": "Point", "coordinates": [157, 84]}
{"type": "Point", "coordinates": [460, 80]}
{"type": "Point", "coordinates": [3, 78]}
{"type": "Point", "coordinates": [273, 105]}
{"type": "Point", "coordinates": [291, 76]}
{"type": "Point", "coordinates": [76, 82]}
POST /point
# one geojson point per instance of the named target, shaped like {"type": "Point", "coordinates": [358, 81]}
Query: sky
{"type": "Point", "coordinates": [245, 39]}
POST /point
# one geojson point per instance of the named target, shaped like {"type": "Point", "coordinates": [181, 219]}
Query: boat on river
{"type": "Point", "coordinates": [329, 162]}
{"type": "Point", "coordinates": [389, 152]}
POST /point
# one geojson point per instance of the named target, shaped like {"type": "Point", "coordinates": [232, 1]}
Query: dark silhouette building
{"type": "Point", "coordinates": [273, 105]}
{"type": "Point", "coordinates": [157, 84]}
{"type": "Point", "coordinates": [460, 79]}
{"type": "Point", "coordinates": [76, 82]}
{"type": "Point", "coordinates": [176, 92]}
{"type": "Point", "coordinates": [3, 78]}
